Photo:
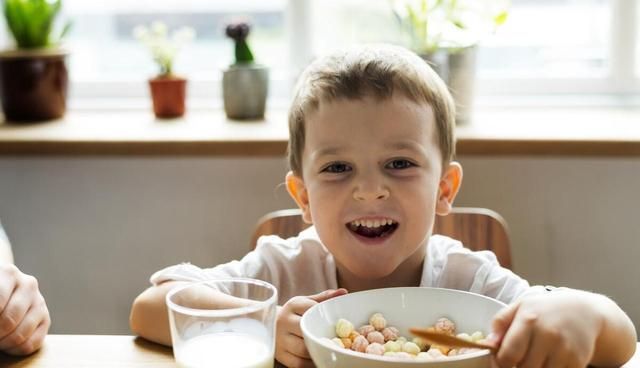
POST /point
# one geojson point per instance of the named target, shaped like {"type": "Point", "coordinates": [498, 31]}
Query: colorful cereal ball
{"type": "Point", "coordinates": [343, 328]}
{"type": "Point", "coordinates": [375, 348]}
{"type": "Point", "coordinates": [411, 348]}
{"type": "Point", "coordinates": [445, 325]}
{"type": "Point", "coordinates": [346, 342]}
{"type": "Point", "coordinates": [424, 356]}
{"type": "Point", "coordinates": [360, 344]}
{"type": "Point", "coordinates": [365, 330]}
{"type": "Point", "coordinates": [352, 336]}
{"type": "Point", "coordinates": [403, 355]}
{"type": "Point", "coordinates": [392, 346]}
{"type": "Point", "coordinates": [477, 336]}
{"type": "Point", "coordinates": [378, 321]}
{"type": "Point", "coordinates": [443, 349]}
{"type": "Point", "coordinates": [338, 342]}
{"type": "Point", "coordinates": [435, 353]}
{"type": "Point", "coordinates": [375, 336]}
{"type": "Point", "coordinates": [390, 333]}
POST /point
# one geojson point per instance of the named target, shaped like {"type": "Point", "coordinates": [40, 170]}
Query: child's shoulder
{"type": "Point", "coordinates": [443, 249]}
{"type": "Point", "coordinates": [440, 244]}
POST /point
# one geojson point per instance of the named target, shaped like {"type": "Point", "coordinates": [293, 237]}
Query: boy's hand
{"type": "Point", "coordinates": [290, 348]}
{"type": "Point", "coordinates": [553, 330]}
{"type": "Point", "coordinates": [24, 317]}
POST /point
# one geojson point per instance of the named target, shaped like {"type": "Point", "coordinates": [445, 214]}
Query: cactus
{"type": "Point", "coordinates": [238, 32]}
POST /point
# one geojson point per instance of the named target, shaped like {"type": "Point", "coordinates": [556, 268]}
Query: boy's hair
{"type": "Point", "coordinates": [376, 71]}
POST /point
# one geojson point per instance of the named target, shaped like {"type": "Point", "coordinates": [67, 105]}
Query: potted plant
{"type": "Point", "coordinates": [446, 33]}
{"type": "Point", "coordinates": [168, 91]}
{"type": "Point", "coordinates": [33, 75]}
{"type": "Point", "coordinates": [244, 83]}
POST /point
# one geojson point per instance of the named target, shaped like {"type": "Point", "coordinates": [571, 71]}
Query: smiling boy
{"type": "Point", "coordinates": [371, 154]}
{"type": "Point", "coordinates": [372, 190]}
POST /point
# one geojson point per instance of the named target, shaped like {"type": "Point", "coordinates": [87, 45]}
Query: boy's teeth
{"type": "Point", "coordinates": [372, 223]}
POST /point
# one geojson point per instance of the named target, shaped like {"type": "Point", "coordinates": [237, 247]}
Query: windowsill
{"type": "Point", "coordinates": [500, 131]}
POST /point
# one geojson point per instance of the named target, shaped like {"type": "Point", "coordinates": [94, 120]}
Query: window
{"type": "Point", "coordinates": [550, 38]}
{"type": "Point", "coordinates": [545, 47]}
{"type": "Point", "coordinates": [562, 46]}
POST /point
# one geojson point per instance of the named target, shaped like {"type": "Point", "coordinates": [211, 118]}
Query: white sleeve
{"type": "Point", "coordinates": [296, 266]}
{"type": "Point", "coordinates": [251, 265]}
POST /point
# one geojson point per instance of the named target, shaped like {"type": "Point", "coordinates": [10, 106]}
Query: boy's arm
{"type": "Point", "coordinates": [149, 317]}
{"type": "Point", "coordinates": [616, 342]}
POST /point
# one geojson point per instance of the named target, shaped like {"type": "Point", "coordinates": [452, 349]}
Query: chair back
{"type": "Point", "coordinates": [476, 228]}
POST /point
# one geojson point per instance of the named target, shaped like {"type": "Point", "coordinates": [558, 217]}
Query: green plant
{"type": "Point", "coordinates": [31, 22]}
{"type": "Point", "coordinates": [238, 32]}
{"type": "Point", "coordinates": [435, 24]}
{"type": "Point", "coordinates": [164, 46]}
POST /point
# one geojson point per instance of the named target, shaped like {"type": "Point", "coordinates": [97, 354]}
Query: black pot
{"type": "Point", "coordinates": [33, 84]}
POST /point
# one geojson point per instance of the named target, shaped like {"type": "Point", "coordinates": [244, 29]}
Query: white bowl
{"type": "Point", "coordinates": [403, 308]}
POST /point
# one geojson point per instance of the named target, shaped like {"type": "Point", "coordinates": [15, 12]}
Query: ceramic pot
{"type": "Point", "coordinates": [457, 67]}
{"type": "Point", "coordinates": [244, 89]}
{"type": "Point", "coordinates": [33, 84]}
{"type": "Point", "coordinates": [168, 95]}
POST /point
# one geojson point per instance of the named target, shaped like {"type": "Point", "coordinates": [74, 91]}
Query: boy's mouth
{"type": "Point", "coordinates": [373, 228]}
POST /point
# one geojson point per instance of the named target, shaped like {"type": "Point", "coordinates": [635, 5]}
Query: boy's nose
{"type": "Point", "coordinates": [370, 192]}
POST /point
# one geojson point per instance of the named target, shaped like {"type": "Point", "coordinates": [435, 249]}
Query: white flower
{"type": "Point", "coordinates": [164, 46]}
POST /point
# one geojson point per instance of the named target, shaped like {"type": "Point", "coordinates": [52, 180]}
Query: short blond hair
{"type": "Point", "coordinates": [376, 71]}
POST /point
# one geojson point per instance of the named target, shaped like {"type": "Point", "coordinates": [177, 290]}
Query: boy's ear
{"type": "Point", "coordinates": [298, 191]}
{"type": "Point", "coordinates": [448, 188]}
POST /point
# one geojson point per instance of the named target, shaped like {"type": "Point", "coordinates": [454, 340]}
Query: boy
{"type": "Point", "coordinates": [371, 149]}
{"type": "Point", "coordinates": [24, 317]}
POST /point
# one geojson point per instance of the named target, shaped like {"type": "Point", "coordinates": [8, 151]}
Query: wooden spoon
{"type": "Point", "coordinates": [443, 339]}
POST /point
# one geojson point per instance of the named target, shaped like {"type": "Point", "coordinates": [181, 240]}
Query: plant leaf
{"type": "Point", "coordinates": [31, 21]}
{"type": "Point", "coordinates": [65, 30]}
{"type": "Point", "coordinates": [243, 53]}
{"type": "Point", "coordinates": [501, 18]}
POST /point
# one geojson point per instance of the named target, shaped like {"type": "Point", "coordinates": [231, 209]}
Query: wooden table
{"type": "Point", "coordinates": [91, 351]}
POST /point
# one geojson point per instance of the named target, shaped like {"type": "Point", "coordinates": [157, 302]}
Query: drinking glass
{"type": "Point", "coordinates": [223, 323]}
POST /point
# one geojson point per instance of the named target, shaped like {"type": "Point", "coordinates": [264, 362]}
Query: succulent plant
{"type": "Point", "coordinates": [238, 32]}
{"type": "Point", "coordinates": [31, 22]}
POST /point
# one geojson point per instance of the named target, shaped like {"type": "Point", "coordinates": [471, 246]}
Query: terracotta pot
{"type": "Point", "coordinates": [33, 84]}
{"type": "Point", "coordinates": [168, 95]}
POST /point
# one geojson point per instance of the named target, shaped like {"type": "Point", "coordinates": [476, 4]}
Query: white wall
{"type": "Point", "coordinates": [93, 229]}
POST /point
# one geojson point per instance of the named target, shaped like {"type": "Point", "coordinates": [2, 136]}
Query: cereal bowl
{"type": "Point", "coordinates": [403, 308]}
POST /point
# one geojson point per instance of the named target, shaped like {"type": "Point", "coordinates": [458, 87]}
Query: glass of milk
{"type": "Point", "coordinates": [223, 323]}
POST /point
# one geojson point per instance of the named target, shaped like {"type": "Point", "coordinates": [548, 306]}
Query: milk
{"type": "Point", "coordinates": [229, 350]}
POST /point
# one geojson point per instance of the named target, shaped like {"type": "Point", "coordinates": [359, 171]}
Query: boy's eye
{"type": "Point", "coordinates": [337, 168]}
{"type": "Point", "coordinates": [399, 164]}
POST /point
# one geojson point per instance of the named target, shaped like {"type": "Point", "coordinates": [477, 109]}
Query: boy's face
{"type": "Point", "coordinates": [372, 182]}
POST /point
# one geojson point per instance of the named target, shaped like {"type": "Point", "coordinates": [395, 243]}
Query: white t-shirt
{"type": "Point", "coordinates": [303, 266]}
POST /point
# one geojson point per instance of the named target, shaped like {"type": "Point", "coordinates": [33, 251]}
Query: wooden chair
{"type": "Point", "coordinates": [476, 228]}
